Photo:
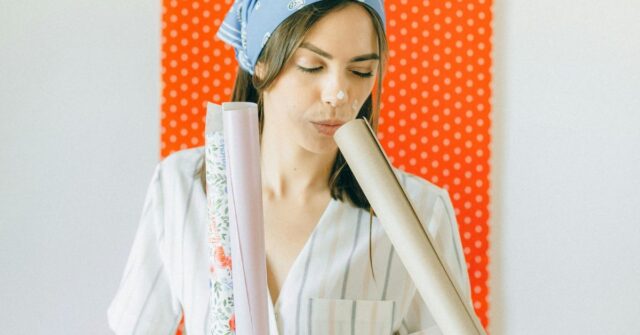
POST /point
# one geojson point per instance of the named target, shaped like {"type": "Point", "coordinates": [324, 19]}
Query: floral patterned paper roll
{"type": "Point", "coordinates": [221, 315]}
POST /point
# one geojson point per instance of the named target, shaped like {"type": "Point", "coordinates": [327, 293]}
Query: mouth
{"type": "Point", "coordinates": [327, 127]}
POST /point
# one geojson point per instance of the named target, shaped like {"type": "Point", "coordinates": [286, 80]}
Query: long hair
{"type": "Point", "coordinates": [276, 54]}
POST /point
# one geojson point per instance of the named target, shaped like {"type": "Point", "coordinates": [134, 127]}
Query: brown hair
{"type": "Point", "coordinates": [277, 52]}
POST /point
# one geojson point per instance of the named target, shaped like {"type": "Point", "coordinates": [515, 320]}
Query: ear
{"type": "Point", "coordinates": [259, 70]}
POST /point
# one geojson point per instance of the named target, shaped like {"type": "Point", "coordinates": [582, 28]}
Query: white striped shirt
{"type": "Point", "coordinates": [329, 288]}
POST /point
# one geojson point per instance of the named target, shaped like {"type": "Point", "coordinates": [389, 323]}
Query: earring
{"type": "Point", "coordinates": [340, 95]}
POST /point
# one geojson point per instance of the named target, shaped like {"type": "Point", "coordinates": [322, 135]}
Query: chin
{"type": "Point", "coordinates": [325, 146]}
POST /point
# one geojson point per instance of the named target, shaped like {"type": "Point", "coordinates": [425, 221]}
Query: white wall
{"type": "Point", "coordinates": [566, 212]}
{"type": "Point", "coordinates": [79, 127]}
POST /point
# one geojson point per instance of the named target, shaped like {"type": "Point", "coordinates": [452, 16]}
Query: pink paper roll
{"type": "Point", "coordinates": [246, 224]}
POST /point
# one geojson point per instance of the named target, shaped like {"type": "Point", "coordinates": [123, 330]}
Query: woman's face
{"type": "Point", "coordinates": [325, 82]}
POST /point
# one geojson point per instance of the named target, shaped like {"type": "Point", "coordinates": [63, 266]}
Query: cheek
{"type": "Point", "coordinates": [298, 89]}
{"type": "Point", "coordinates": [371, 84]}
{"type": "Point", "coordinates": [298, 97]}
{"type": "Point", "coordinates": [363, 95]}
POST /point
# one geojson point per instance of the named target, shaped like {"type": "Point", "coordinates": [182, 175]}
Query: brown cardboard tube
{"type": "Point", "coordinates": [452, 312]}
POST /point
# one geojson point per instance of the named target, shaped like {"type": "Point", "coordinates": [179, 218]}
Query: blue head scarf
{"type": "Point", "coordinates": [249, 23]}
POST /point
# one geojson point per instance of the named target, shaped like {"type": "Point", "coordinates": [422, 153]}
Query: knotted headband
{"type": "Point", "coordinates": [249, 23]}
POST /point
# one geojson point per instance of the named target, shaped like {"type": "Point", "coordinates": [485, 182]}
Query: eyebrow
{"type": "Point", "coordinates": [324, 54]}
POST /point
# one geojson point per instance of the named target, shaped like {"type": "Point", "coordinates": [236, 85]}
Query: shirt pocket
{"type": "Point", "coordinates": [350, 317]}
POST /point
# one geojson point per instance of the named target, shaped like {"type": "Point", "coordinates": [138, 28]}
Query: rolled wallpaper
{"type": "Point", "coordinates": [221, 316]}
{"type": "Point", "coordinates": [451, 310]}
{"type": "Point", "coordinates": [244, 185]}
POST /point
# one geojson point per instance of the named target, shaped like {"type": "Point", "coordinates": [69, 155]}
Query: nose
{"type": "Point", "coordinates": [335, 93]}
{"type": "Point", "coordinates": [336, 98]}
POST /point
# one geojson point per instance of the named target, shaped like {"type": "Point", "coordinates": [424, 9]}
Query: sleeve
{"type": "Point", "coordinates": [144, 302]}
{"type": "Point", "coordinates": [443, 228]}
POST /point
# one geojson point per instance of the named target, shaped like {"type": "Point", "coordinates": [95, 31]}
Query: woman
{"type": "Point", "coordinates": [310, 67]}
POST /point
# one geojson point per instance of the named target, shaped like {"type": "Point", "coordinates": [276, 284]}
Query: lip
{"type": "Point", "coordinates": [327, 127]}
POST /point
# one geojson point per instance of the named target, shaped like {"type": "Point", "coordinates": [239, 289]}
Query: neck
{"type": "Point", "coordinates": [290, 171]}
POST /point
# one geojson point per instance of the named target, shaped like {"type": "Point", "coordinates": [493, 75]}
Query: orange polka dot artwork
{"type": "Point", "coordinates": [436, 103]}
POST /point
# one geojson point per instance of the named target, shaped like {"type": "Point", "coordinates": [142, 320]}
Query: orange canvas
{"type": "Point", "coordinates": [435, 117]}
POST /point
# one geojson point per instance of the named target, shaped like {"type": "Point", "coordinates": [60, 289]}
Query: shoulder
{"type": "Point", "coordinates": [182, 161]}
{"type": "Point", "coordinates": [418, 189]}
{"type": "Point", "coordinates": [176, 178]}
{"type": "Point", "coordinates": [431, 202]}
{"type": "Point", "coordinates": [177, 174]}
{"type": "Point", "coordinates": [182, 165]}
{"type": "Point", "coordinates": [438, 216]}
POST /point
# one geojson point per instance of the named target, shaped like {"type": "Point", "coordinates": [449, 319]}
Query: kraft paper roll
{"type": "Point", "coordinates": [369, 164]}
{"type": "Point", "coordinates": [242, 142]}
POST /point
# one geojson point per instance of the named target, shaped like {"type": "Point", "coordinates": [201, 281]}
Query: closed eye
{"type": "Point", "coordinates": [313, 70]}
